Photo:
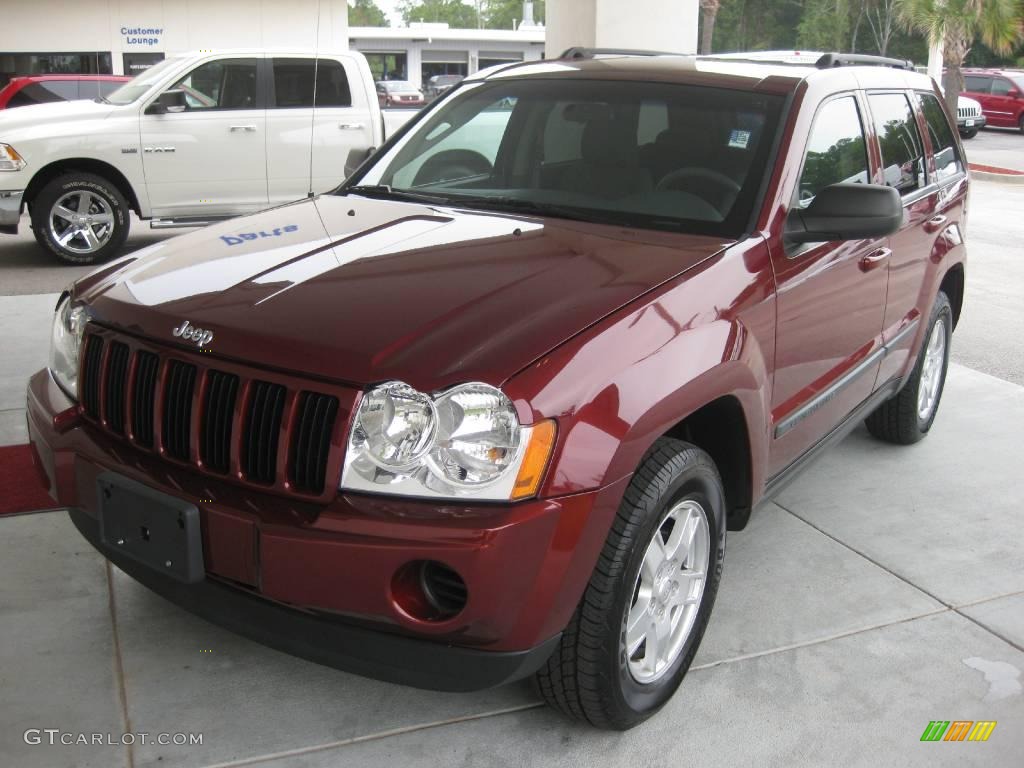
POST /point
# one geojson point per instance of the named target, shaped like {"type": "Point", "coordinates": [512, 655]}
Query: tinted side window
{"type": "Point", "coordinates": [293, 83]}
{"type": "Point", "coordinates": [836, 150]}
{"type": "Point", "coordinates": [332, 85]}
{"type": "Point", "coordinates": [222, 84]}
{"type": "Point", "coordinates": [1001, 86]}
{"type": "Point", "coordinates": [977, 84]}
{"type": "Point", "coordinates": [902, 154]}
{"type": "Point", "coordinates": [947, 159]}
{"type": "Point", "coordinates": [42, 93]}
{"type": "Point", "coordinates": [108, 87]}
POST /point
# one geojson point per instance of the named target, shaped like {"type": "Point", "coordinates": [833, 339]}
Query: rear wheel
{"type": "Point", "coordinates": [80, 218]}
{"type": "Point", "coordinates": [648, 602]}
{"type": "Point", "coordinates": [907, 417]}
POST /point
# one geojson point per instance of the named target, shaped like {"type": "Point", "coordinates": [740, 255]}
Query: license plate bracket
{"type": "Point", "coordinates": [150, 527]}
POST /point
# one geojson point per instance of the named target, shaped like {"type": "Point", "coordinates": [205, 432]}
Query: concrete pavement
{"type": "Point", "coordinates": [1000, 147]}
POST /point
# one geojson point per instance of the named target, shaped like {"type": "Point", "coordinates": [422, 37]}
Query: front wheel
{"type": "Point", "coordinates": [648, 602]}
{"type": "Point", "coordinates": [970, 133]}
{"type": "Point", "coordinates": [81, 218]}
{"type": "Point", "coordinates": [908, 415]}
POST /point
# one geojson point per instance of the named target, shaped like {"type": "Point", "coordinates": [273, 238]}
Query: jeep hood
{"type": "Point", "coordinates": [359, 290]}
{"type": "Point", "coordinates": [36, 116]}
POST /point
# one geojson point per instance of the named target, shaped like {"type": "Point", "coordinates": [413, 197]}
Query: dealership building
{"type": "Point", "coordinates": [126, 36]}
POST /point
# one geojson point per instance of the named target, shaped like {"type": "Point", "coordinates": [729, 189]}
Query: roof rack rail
{"type": "Point", "coordinates": [829, 60]}
{"type": "Point", "coordinates": [579, 52]}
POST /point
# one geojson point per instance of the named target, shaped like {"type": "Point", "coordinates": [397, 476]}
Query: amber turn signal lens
{"type": "Point", "coordinates": [538, 452]}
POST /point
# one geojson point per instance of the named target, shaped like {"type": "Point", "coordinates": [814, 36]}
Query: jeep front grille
{"type": "Point", "coordinates": [225, 419]}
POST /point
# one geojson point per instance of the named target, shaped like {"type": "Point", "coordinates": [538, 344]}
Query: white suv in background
{"type": "Point", "coordinates": [196, 138]}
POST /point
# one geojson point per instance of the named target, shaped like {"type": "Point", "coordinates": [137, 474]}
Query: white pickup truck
{"type": "Point", "coordinates": [196, 138]}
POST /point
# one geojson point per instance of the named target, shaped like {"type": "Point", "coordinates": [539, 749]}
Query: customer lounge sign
{"type": "Point", "coordinates": [146, 36]}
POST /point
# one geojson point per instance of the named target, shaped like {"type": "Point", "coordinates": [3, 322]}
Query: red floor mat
{"type": "Point", "coordinates": [20, 487]}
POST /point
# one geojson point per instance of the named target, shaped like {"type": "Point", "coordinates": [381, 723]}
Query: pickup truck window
{"type": "Point", "coordinates": [902, 153]}
{"type": "Point", "coordinates": [947, 159]}
{"type": "Point", "coordinates": [139, 85]}
{"type": "Point", "coordinates": [221, 84]}
{"type": "Point", "coordinates": [293, 83]}
{"type": "Point", "coordinates": [836, 151]}
{"type": "Point", "coordinates": [580, 150]}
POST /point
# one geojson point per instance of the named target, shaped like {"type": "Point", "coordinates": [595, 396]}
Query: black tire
{"type": "Point", "coordinates": [1020, 123]}
{"type": "Point", "coordinates": [897, 419]}
{"type": "Point", "coordinates": [588, 676]}
{"type": "Point", "coordinates": [970, 134]}
{"type": "Point", "coordinates": [80, 182]}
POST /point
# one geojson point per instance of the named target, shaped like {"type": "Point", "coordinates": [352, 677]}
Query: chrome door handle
{"type": "Point", "coordinates": [934, 223]}
{"type": "Point", "coordinates": [246, 128]}
{"type": "Point", "coordinates": [873, 259]}
{"type": "Point", "coordinates": [350, 126]}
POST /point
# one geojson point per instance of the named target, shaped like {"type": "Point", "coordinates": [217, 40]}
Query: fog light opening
{"type": "Point", "coordinates": [428, 590]}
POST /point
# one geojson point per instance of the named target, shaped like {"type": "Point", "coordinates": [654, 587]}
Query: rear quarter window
{"type": "Point", "coordinates": [947, 157]}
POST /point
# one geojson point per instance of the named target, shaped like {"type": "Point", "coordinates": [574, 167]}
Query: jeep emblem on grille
{"type": "Point", "coordinates": [188, 332]}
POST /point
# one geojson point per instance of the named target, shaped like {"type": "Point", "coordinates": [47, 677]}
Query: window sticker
{"type": "Point", "coordinates": [739, 139]}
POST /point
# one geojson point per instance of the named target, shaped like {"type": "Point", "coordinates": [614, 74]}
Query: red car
{"type": "Point", "coordinates": [488, 409]}
{"type": "Point", "coordinates": [1000, 93]}
{"type": "Point", "coordinates": [40, 89]}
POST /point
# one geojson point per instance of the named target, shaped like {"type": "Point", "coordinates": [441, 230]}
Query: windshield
{"type": "Point", "coordinates": [1018, 80]}
{"type": "Point", "coordinates": [639, 154]}
{"type": "Point", "coordinates": [141, 83]}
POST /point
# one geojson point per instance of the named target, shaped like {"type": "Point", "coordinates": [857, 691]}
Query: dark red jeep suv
{"type": "Point", "coordinates": [488, 410]}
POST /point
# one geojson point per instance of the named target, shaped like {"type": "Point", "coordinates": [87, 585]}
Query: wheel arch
{"type": "Point", "coordinates": [105, 170]}
{"type": "Point", "coordinates": [952, 285]}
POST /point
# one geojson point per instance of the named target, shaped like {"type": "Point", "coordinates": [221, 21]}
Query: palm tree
{"type": "Point", "coordinates": [958, 24]}
{"type": "Point", "coordinates": [708, 12]}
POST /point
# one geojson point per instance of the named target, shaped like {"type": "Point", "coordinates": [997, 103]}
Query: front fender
{"type": "Point", "coordinates": [620, 385]}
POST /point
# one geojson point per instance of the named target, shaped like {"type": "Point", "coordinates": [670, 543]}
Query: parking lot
{"type": "Point", "coordinates": [999, 147]}
{"type": "Point", "coordinates": [881, 591]}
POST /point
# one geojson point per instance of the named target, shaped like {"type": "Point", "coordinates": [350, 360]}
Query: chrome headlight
{"type": "Point", "coordinates": [464, 443]}
{"type": "Point", "coordinates": [9, 159]}
{"type": "Point", "coordinates": [66, 344]}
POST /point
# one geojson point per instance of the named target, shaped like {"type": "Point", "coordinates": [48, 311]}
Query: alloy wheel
{"type": "Point", "coordinates": [668, 591]}
{"type": "Point", "coordinates": [81, 222]}
{"type": "Point", "coordinates": [931, 371]}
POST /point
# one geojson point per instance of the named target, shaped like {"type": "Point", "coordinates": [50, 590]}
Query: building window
{"type": "Point", "coordinates": [443, 63]}
{"type": "Point", "coordinates": [487, 59]}
{"type": "Point", "coordinates": [388, 65]}
{"type": "Point", "coordinates": [15, 64]}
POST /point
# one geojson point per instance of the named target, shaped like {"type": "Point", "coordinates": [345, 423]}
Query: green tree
{"type": "Point", "coordinates": [959, 24]}
{"type": "Point", "coordinates": [365, 13]}
{"type": "Point", "coordinates": [825, 25]}
{"type": "Point", "coordinates": [455, 13]}
{"type": "Point", "coordinates": [501, 14]}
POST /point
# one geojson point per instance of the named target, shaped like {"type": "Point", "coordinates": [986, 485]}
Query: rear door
{"type": "Point", "coordinates": [1003, 102]}
{"type": "Point", "coordinates": [831, 298]}
{"type": "Point", "coordinates": [210, 157]}
{"type": "Point", "coordinates": [313, 123]}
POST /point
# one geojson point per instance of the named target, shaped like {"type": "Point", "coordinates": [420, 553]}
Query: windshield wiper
{"type": "Point", "coordinates": [522, 205]}
{"type": "Point", "coordinates": [386, 191]}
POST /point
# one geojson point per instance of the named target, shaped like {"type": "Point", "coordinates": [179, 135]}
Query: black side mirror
{"type": "Point", "coordinates": [356, 158]}
{"type": "Point", "coordinates": [168, 101]}
{"type": "Point", "coordinates": [846, 211]}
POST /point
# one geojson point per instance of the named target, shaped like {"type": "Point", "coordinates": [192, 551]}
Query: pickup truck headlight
{"type": "Point", "coordinates": [466, 442]}
{"type": "Point", "coordinates": [66, 344]}
{"type": "Point", "coordinates": [9, 159]}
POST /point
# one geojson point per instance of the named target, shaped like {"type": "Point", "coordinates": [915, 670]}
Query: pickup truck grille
{"type": "Point", "coordinates": [228, 420]}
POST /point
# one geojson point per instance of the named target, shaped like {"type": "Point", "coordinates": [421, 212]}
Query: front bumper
{"type": "Point", "coordinates": [977, 122]}
{"type": "Point", "coordinates": [10, 210]}
{"type": "Point", "coordinates": [320, 581]}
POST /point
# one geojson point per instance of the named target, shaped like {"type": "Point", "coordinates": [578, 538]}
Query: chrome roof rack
{"type": "Point", "coordinates": [830, 60]}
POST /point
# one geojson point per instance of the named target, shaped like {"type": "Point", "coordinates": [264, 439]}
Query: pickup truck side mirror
{"type": "Point", "coordinates": [168, 101]}
{"type": "Point", "coordinates": [846, 211]}
{"type": "Point", "coordinates": [356, 157]}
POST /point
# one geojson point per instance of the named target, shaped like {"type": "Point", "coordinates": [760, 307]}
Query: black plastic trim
{"type": "Point", "coordinates": [328, 640]}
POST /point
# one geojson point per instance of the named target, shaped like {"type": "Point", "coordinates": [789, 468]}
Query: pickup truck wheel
{"type": "Point", "coordinates": [80, 218]}
{"type": "Point", "coordinates": [644, 611]}
{"type": "Point", "coordinates": [906, 417]}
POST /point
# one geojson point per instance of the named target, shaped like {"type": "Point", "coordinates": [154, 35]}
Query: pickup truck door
{"type": "Point", "coordinates": [831, 300]}
{"type": "Point", "coordinates": [208, 157]}
{"type": "Point", "coordinates": [309, 143]}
